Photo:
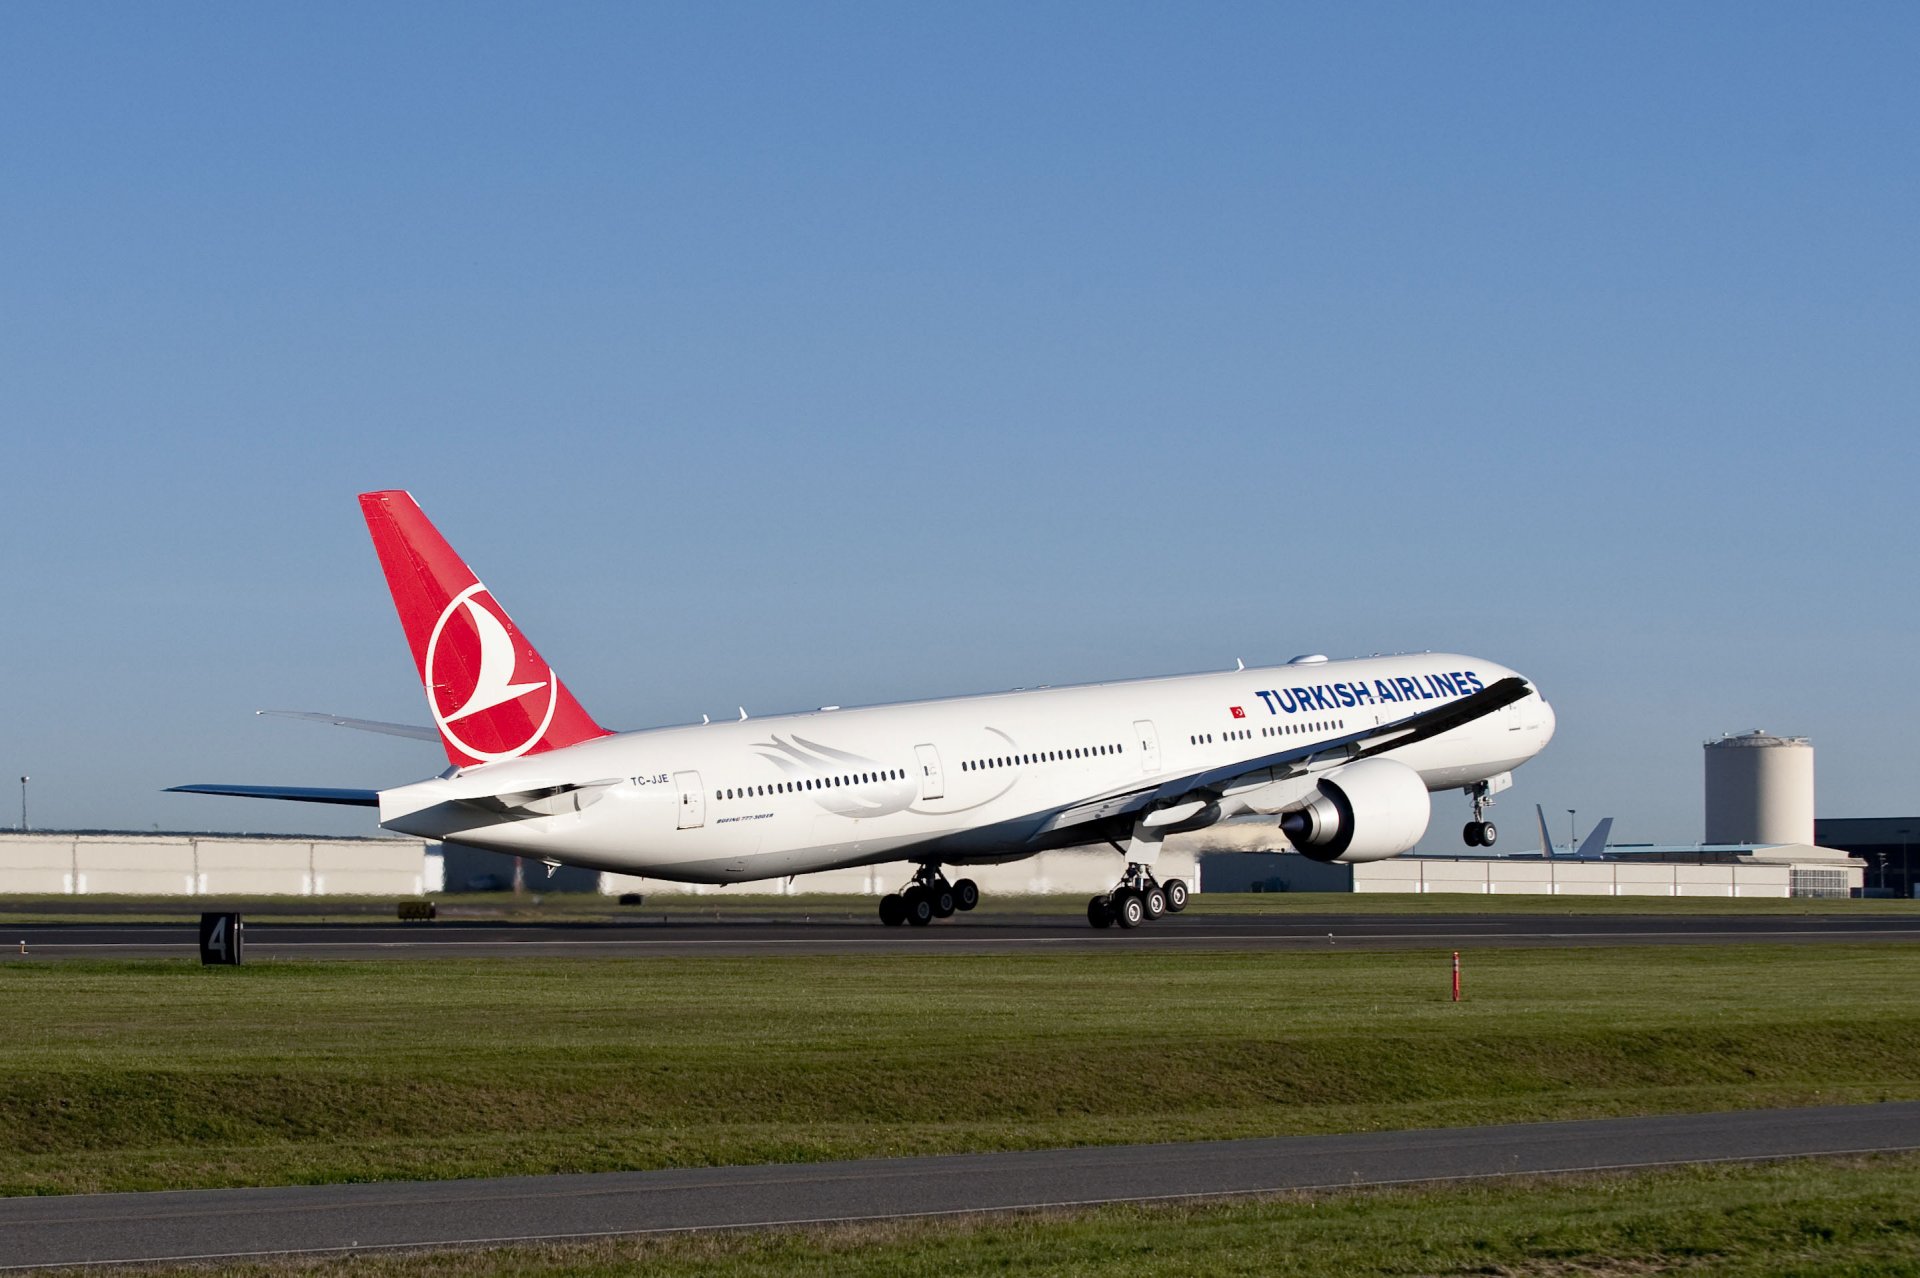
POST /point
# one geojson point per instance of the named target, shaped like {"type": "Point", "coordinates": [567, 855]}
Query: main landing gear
{"type": "Point", "coordinates": [1138, 898]}
{"type": "Point", "coordinates": [927, 898]}
{"type": "Point", "coordinates": [1480, 832]}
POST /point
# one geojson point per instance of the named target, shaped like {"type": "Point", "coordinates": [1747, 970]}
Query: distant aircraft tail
{"type": "Point", "coordinates": [491, 694]}
{"type": "Point", "coordinates": [1595, 844]}
{"type": "Point", "coordinates": [1593, 847]}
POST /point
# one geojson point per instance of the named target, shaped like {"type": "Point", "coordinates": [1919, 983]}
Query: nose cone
{"type": "Point", "coordinates": [1547, 721]}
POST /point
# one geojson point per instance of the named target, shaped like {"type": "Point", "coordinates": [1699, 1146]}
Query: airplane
{"type": "Point", "coordinates": [1592, 848]}
{"type": "Point", "coordinates": [1344, 754]}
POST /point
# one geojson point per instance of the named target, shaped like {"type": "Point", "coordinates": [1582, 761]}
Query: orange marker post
{"type": "Point", "coordinates": [1456, 976]}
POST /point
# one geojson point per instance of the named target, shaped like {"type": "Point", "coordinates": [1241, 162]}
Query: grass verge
{"type": "Point", "coordinates": [1841, 1216]}
{"type": "Point", "coordinates": [163, 1074]}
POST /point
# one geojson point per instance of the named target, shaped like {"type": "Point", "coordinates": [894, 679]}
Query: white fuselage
{"type": "Point", "coordinates": [966, 780]}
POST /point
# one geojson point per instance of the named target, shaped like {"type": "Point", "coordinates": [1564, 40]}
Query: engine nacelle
{"type": "Point", "coordinates": [1366, 811]}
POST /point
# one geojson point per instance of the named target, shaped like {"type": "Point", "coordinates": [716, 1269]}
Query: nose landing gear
{"type": "Point", "coordinates": [1480, 832]}
{"type": "Point", "coordinates": [927, 898]}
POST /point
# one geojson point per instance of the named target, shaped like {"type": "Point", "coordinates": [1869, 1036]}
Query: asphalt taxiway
{"type": "Point", "coordinates": [231, 1223]}
{"type": "Point", "coordinates": [978, 933]}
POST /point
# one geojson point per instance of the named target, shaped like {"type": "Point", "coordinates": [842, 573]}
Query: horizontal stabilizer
{"type": "Point", "coordinates": [415, 731]}
{"type": "Point", "coordinates": [296, 793]}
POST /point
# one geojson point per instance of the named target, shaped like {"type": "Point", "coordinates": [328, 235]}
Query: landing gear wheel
{"type": "Point", "coordinates": [966, 894]}
{"type": "Point", "coordinates": [941, 897]}
{"type": "Point", "coordinates": [1176, 890]}
{"type": "Point", "coordinates": [919, 906]}
{"type": "Point", "coordinates": [893, 910]}
{"type": "Point", "coordinates": [1100, 912]}
{"type": "Point", "coordinates": [1480, 832]}
{"type": "Point", "coordinates": [1156, 902]}
{"type": "Point", "coordinates": [1129, 910]}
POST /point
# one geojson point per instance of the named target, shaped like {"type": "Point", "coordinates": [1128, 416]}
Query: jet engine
{"type": "Point", "coordinates": [1366, 811]}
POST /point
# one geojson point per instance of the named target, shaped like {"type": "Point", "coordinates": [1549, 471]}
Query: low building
{"type": "Point", "coordinates": [101, 862]}
{"type": "Point", "coordinates": [1254, 857]}
{"type": "Point", "coordinates": [1532, 875]}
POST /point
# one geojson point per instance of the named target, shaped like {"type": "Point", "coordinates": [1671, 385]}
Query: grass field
{"type": "Point", "coordinates": [1848, 1216]}
{"type": "Point", "coordinates": [587, 907]}
{"type": "Point", "coordinates": [164, 1074]}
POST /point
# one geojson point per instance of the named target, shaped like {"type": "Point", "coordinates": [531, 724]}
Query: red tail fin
{"type": "Point", "coordinates": [491, 694]}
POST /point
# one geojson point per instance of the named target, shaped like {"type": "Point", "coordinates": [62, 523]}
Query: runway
{"type": "Point", "coordinates": [230, 1223]}
{"type": "Point", "coordinates": [979, 933]}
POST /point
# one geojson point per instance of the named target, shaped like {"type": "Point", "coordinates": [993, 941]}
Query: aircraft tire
{"type": "Point", "coordinates": [966, 894]}
{"type": "Point", "coordinates": [893, 910]}
{"type": "Point", "coordinates": [919, 907]}
{"type": "Point", "coordinates": [1471, 833]}
{"type": "Point", "coordinates": [1176, 890]}
{"type": "Point", "coordinates": [942, 899]}
{"type": "Point", "coordinates": [1129, 910]}
{"type": "Point", "coordinates": [1488, 834]}
{"type": "Point", "coordinates": [1100, 912]}
{"type": "Point", "coordinates": [1155, 899]}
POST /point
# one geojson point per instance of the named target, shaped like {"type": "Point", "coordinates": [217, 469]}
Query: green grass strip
{"type": "Point", "coordinates": [163, 1074]}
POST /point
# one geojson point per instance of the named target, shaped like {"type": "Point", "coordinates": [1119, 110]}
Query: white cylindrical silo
{"type": "Point", "coordinates": [1759, 789]}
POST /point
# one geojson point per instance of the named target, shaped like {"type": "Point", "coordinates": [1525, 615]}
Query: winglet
{"type": "Point", "coordinates": [491, 694]}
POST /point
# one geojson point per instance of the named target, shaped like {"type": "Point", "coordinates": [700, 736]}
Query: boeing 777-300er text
{"type": "Point", "coordinates": [1343, 753]}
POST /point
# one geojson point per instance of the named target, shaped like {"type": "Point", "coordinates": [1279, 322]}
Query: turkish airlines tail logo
{"type": "Point", "coordinates": [490, 692]}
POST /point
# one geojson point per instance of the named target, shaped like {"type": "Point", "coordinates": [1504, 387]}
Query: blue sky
{"type": "Point", "coordinates": [800, 355]}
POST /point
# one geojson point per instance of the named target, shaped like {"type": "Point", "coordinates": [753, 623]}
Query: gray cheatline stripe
{"type": "Point", "coordinates": [1055, 1205]}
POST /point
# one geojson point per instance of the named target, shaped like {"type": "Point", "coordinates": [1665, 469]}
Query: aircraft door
{"type": "Point", "coordinates": [693, 800]}
{"type": "Point", "coordinates": [1149, 745]}
{"type": "Point", "coordinates": [933, 784]}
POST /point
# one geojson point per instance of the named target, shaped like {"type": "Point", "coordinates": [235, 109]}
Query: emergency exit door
{"type": "Point", "coordinates": [932, 784]}
{"type": "Point", "coordinates": [693, 800]}
{"type": "Point", "coordinates": [1149, 745]}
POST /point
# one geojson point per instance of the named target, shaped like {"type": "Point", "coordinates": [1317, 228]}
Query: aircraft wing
{"type": "Point", "coordinates": [1196, 788]}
